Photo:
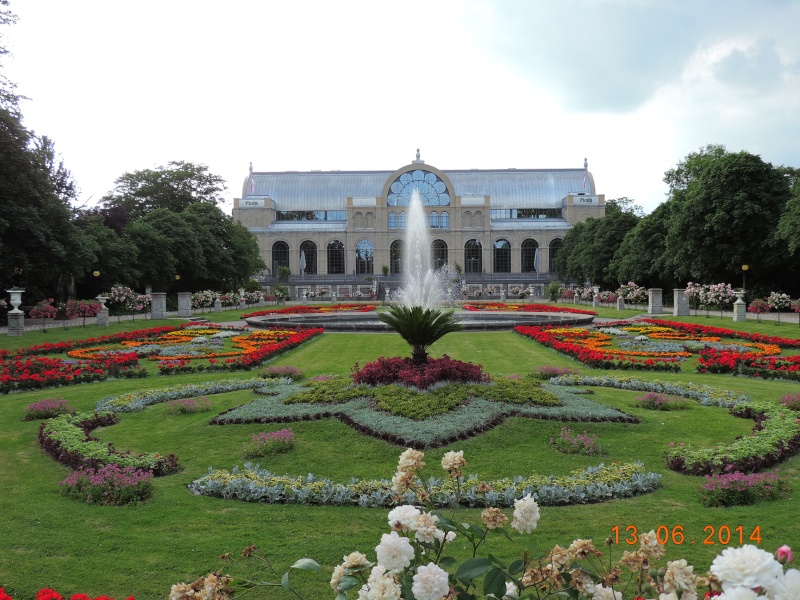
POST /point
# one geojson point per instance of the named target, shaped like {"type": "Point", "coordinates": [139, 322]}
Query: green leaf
{"type": "Point", "coordinates": [472, 568]}
{"type": "Point", "coordinates": [348, 582]}
{"type": "Point", "coordinates": [496, 561]}
{"type": "Point", "coordinates": [285, 582]}
{"type": "Point", "coordinates": [516, 567]}
{"type": "Point", "coordinates": [495, 583]}
{"type": "Point", "coordinates": [534, 548]}
{"type": "Point", "coordinates": [447, 561]}
{"type": "Point", "coordinates": [405, 585]}
{"type": "Point", "coordinates": [306, 564]}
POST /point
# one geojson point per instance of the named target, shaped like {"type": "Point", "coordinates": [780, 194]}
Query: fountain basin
{"type": "Point", "coordinates": [368, 322]}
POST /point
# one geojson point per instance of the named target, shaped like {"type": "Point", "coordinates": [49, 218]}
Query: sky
{"type": "Point", "coordinates": [631, 85]}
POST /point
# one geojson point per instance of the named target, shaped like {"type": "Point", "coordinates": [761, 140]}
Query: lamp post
{"type": "Point", "coordinates": [745, 268]}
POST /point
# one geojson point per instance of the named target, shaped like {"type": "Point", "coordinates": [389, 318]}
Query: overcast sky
{"type": "Point", "coordinates": [632, 85]}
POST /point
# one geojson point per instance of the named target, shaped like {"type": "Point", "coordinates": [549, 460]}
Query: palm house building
{"type": "Point", "coordinates": [343, 231]}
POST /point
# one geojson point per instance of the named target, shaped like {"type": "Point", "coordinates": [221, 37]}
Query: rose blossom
{"type": "Point", "coordinates": [738, 593]}
{"type": "Point", "coordinates": [526, 514]}
{"type": "Point", "coordinates": [353, 560]}
{"type": "Point", "coordinates": [425, 527]}
{"type": "Point", "coordinates": [512, 591]}
{"type": "Point", "coordinates": [786, 587]}
{"type": "Point", "coordinates": [679, 575]}
{"type": "Point", "coordinates": [402, 518]}
{"type": "Point", "coordinates": [394, 552]}
{"type": "Point", "coordinates": [430, 583]}
{"type": "Point", "coordinates": [380, 586]}
{"type": "Point", "coordinates": [748, 567]}
{"type": "Point", "coordinates": [784, 554]}
{"type": "Point", "coordinates": [493, 518]}
{"type": "Point", "coordinates": [453, 460]}
{"type": "Point", "coordinates": [411, 460]}
{"type": "Point", "coordinates": [603, 593]}
{"type": "Point", "coordinates": [336, 577]}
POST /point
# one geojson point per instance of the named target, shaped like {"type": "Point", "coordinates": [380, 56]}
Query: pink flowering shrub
{"type": "Point", "coordinates": [185, 406]}
{"type": "Point", "coordinates": [283, 372]}
{"type": "Point", "coordinates": [267, 443]}
{"type": "Point", "coordinates": [110, 484]}
{"type": "Point", "coordinates": [550, 372]}
{"type": "Point", "coordinates": [791, 401]}
{"type": "Point", "coordinates": [46, 409]}
{"type": "Point", "coordinates": [403, 370]}
{"type": "Point", "coordinates": [739, 489]}
{"type": "Point", "coordinates": [569, 443]}
{"type": "Point", "coordinates": [656, 401]}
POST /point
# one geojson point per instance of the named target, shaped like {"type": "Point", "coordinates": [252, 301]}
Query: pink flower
{"type": "Point", "coordinates": [784, 554]}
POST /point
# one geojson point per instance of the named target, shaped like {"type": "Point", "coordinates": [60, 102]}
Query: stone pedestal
{"type": "Point", "coordinates": [502, 296]}
{"type": "Point", "coordinates": [16, 323]}
{"type": "Point", "coordinates": [739, 307]}
{"type": "Point", "coordinates": [620, 303]}
{"type": "Point", "coordinates": [655, 305]}
{"type": "Point", "coordinates": [333, 296]}
{"type": "Point", "coordinates": [217, 305]}
{"type": "Point", "coordinates": [184, 304]}
{"type": "Point", "coordinates": [596, 301]}
{"type": "Point", "coordinates": [680, 303]}
{"type": "Point", "coordinates": [159, 310]}
{"type": "Point", "coordinates": [575, 299]}
{"type": "Point", "coordinates": [102, 316]}
{"type": "Point", "coordinates": [261, 301]}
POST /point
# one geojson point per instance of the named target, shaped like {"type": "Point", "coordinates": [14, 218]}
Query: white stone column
{"type": "Point", "coordinates": [184, 304]}
{"type": "Point", "coordinates": [680, 303]}
{"type": "Point", "coordinates": [655, 305]}
{"type": "Point", "coordinates": [739, 307]}
{"type": "Point", "coordinates": [595, 296]}
{"type": "Point", "coordinates": [16, 318]}
{"type": "Point", "coordinates": [159, 306]}
{"type": "Point", "coordinates": [102, 316]}
{"type": "Point", "coordinates": [620, 303]}
{"type": "Point", "coordinates": [217, 304]}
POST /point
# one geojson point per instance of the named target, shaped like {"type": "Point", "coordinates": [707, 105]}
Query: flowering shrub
{"type": "Point", "coordinates": [501, 306]}
{"type": "Point", "coordinates": [185, 406]}
{"type": "Point", "coordinates": [48, 594]}
{"type": "Point", "coordinates": [300, 310]}
{"type": "Point", "coordinates": [44, 310]}
{"type": "Point", "coordinates": [608, 297]}
{"type": "Point", "coordinates": [550, 372]}
{"type": "Point", "coordinates": [791, 401]}
{"type": "Point", "coordinates": [758, 307]}
{"type": "Point", "coordinates": [269, 443]}
{"type": "Point", "coordinates": [656, 401]}
{"type": "Point", "coordinates": [582, 443]}
{"type": "Point", "coordinates": [82, 308]}
{"type": "Point", "coordinates": [283, 372]}
{"type": "Point", "coordinates": [403, 370]}
{"type": "Point", "coordinates": [46, 409]}
{"type": "Point", "coordinates": [110, 484]}
{"type": "Point", "coordinates": [252, 297]}
{"type": "Point", "coordinates": [632, 293]}
{"type": "Point", "coordinates": [229, 299]}
{"type": "Point", "coordinates": [740, 489]}
{"type": "Point", "coordinates": [203, 299]}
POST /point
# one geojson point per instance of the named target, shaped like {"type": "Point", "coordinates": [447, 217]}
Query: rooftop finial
{"type": "Point", "coordinates": [251, 167]}
{"type": "Point", "coordinates": [418, 159]}
{"type": "Point", "coordinates": [585, 163]}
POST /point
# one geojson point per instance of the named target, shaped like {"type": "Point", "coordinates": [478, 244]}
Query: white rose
{"type": "Point", "coordinates": [748, 567]}
{"type": "Point", "coordinates": [786, 587]}
{"type": "Point", "coordinates": [394, 552]}
{"type": "Point", "coordinates": [526, 514]}
{"type": "Point", "coordinates": [402, 518]}
{"type": "Point", "coordinates": [430, 583]}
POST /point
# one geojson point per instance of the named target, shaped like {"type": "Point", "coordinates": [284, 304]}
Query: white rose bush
{"type": "Point", "coordinates": [413, 562]}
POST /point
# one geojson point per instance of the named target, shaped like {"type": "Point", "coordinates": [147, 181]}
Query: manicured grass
{"type": "Point", "coordinates": [50, 540]}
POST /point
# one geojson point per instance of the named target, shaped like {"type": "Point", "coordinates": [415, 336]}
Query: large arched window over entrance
{"type": "Point", "coordinates": [308, 258]}
{"type": "Point", "coordinates": [438, 254]}
{"type": "Point", "coordinates": [502, 257]}
{"type": "Point", "coordinates": [335, 257]}
{"type": "Point", "coordinates": [432, 190]}
{"type": "Point", "coordinates": [365, 253]}
{"type": "Point", "coordinates": [555, 248]}
{"type": "Point", "coordinates": [396, 254]}
{"type": "Point", "coordinates": [473, 257]}
{"type": "Point", "coordinates": [530, 256]}
{"type": "Point", "coordinates": [280, 256]}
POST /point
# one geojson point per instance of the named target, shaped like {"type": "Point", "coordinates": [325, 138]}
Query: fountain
{"type": "Point", "coordinates": [422, 287]}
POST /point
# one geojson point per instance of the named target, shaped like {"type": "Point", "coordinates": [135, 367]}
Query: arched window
{"type": "Point", "coordinates": [308, 255]}
{"type": "Point", "coordinates": [438, 254]}
{"type": "Point", "coordinates": [530, 256]}
{"type": "Point", "coordinates": [392, 220]}
{"type": "Point", "coordinates": [335, 257]}
{"type": "Point", "coordinates": [396, 254]}
{"type": "Point", "coordinates": [444, 220]}
{"type": "Point", "coordinates": [502, 257]}
{"type": "Point", "coordinates": [473, 257]}
{"type": "Point", "coordinates": [365, 253]}
{"type": "Point", "coordinates": [432, 190]}
{"type": "Point", "coordinates": [434, 220]}
{"type": "Point", "coordinates": [477, 219]}
{"type": "Point", "coordinates": [402, 220]}
{"type": "Point", "coordinates": [280, 256]}
{"type": "Point", "coordinates": [358, 220]}
{"type": "Point", "coordinates": [369, 220]}
{"type": "Point", "coordinates": [555, 247]}
{"type": "Point", "coordinates": [467, 219]}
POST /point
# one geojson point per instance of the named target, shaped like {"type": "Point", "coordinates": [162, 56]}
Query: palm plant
{"type": "Point", "coordinates": [420, 327]}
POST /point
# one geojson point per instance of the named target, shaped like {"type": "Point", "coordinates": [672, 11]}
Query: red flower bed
{"type": "Point", "coordinates": [49, 594]}
{"type": "Point", "coordinates": [743, 363]}
{"type": "Point", "coordinates": [402, 370]}
{"type": "Point", "coordinates": [117, 338]}
{"type": "Point", "coordinates": [597, 359]}
{"type": "Point", "coordinates": [501, 306]}
{"type": "Point", "coordinates": [309, 310]}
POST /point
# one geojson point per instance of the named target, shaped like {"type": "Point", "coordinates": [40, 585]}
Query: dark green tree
{"type": "Point", "coordinates": [725, 209]}
{"type": "Point", "coordinates": [641, 256]}
{"type": "Point", "coordinates": [174, 186]}
{"type": "Point", "coordinates": [789, 224]}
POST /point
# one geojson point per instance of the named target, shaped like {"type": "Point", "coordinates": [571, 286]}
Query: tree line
{"type": "Point", "coordinates": [724, 210]}
{"type": "Point", "coordinates": [159, 228]}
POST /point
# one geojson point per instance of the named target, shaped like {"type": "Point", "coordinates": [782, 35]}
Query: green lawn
{"type": "Point", "coordinates": [49, 540]}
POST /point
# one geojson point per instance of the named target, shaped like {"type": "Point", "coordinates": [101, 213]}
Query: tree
{"type": "Point", "coordinates": [789, 224]}
{"type": "Point", "coordinates": [589, 247]}
{"type": "Point", "coordinates": [420, 327]}
{"type": "Point", "coordinates": [175, 187]}
{"type": "Point", "coordinates": [641, 256]}
{"type": "Point", "coordinates": [725, 209]}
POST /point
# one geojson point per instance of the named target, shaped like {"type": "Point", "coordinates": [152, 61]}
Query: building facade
{"type": "Point", "coordinates": [340, 228]}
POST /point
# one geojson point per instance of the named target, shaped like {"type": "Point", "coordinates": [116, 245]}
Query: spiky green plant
{"type": "Point", "coordinates": [420, 327]}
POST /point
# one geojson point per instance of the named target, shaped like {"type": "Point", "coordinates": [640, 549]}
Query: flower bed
{"type": "Point", "coordinates": [66, 438]}
{"type": "Point", "coordinates": [546, 308]}
{"type": "Point", "coordinates": [314, 309]}
{"type": "Point", "coordinates": [594, 484]}
{"type": "Point", "coordinates": [404, 371]}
